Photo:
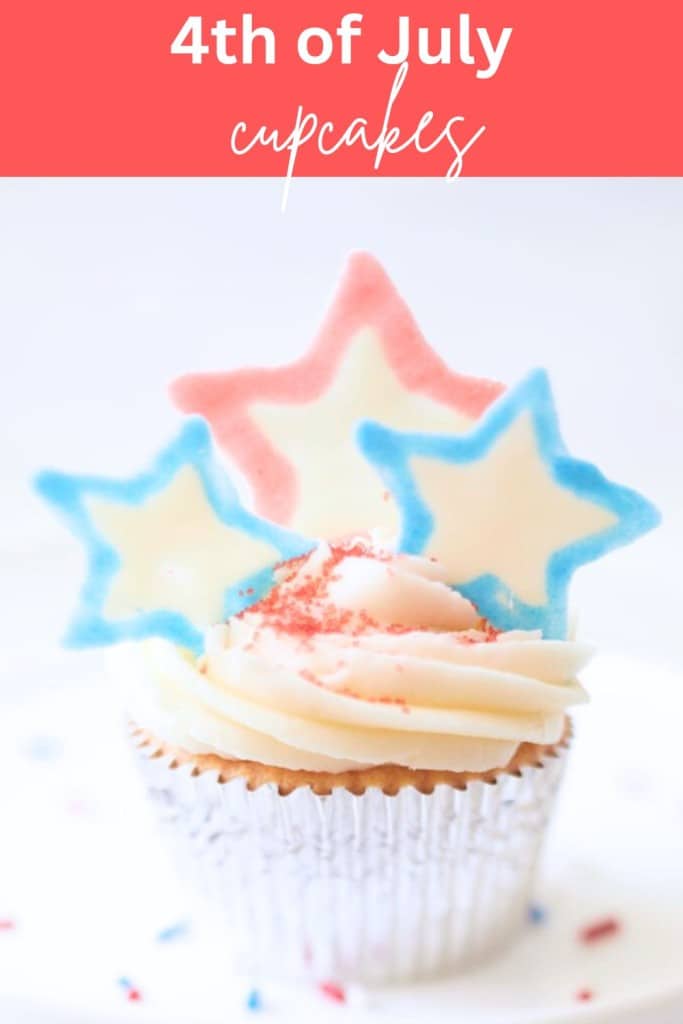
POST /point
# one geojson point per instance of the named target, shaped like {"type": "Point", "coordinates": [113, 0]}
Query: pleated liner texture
{"type": "Point", "coordinates": [366, 887]}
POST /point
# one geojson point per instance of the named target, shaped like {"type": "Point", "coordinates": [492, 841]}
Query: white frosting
{"type": "Point", "coordinates": [356, 660]}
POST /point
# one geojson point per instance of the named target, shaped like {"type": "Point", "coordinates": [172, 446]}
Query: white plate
{"type": "Point", "coordinates": [82, 876]}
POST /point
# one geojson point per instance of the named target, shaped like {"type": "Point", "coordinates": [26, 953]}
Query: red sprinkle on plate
{"type": "Point", "coordinates": [133, 994]}
{"type": "Point", "coordinates": [332, 991]}
{"type": "Point", "coordinates": [603, 928]}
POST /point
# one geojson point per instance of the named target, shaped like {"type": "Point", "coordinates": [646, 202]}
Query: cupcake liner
{"type": "Point", "coordinates": [368, 888]}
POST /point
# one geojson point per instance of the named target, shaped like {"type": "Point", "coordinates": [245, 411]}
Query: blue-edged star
{"type": "Point", "coordinates": [505, 508]}
{"type": "Point", "coordinates": [170, 551]}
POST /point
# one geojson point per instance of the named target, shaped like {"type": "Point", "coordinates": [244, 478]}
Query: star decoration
{"type": "Point", "coordinates": [505, 508]}
{"type": "Point", "coordinates": [290, 430]}
{"type": "Point", "coordinates": [170, 551]}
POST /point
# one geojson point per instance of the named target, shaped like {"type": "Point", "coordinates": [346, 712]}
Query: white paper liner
{"type": "Point", "coordinates": [371, 888]}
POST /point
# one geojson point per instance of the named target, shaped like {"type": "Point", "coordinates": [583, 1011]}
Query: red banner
{"type": "Point", "coordinates": [514, 87]}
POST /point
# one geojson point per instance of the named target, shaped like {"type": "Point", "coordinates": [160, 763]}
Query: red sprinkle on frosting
{"type": "Point", "coordinates": [345, 691]}
{"type": "Point", "coordinates": [300, 605]}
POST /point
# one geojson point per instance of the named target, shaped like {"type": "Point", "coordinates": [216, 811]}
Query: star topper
{"type": "Point", "coordinates": [170, 551]}
{"type": "Point", "coordinates": [505, 508]}
{"type": "Point", "coordinates": [290, 430]}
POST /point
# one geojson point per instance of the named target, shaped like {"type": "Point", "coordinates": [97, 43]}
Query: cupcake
{"type": "Point", "coordinates": [348, 675]}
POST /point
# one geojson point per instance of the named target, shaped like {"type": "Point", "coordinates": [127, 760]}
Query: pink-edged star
{"type": "Point", "coordinates": [291, 430]}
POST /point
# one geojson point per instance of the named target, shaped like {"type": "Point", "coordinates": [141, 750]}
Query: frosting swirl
{"type": "Point", "coordinates": [358, 657]}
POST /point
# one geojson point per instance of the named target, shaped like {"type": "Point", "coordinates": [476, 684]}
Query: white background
{"type": "Point", "coordinates": [109, 288]}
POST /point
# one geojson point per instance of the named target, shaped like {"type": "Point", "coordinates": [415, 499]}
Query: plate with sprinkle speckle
{"type": "Point", "coordinates": [94, 925]}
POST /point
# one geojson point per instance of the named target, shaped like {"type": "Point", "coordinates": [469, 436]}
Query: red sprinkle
{"type": "Point", "coordinates": [303, 608]}
{"type": "Point", "coordinates": [6, 925]}
{"type": "Point", "coordinates": [332, 991]}
{"type": "Point", "coordinates": [300, 604]}
{"type": "Point", "coordinates": [345, 691]}
{"type": "Point", "coordinates": [133, 994]}
{"type": "Point", "coordinates": [600, 929]}
{"type": "Point", "coordinates": [584, 995]}
{"type": "Point", "coordinates": [474, 636]}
